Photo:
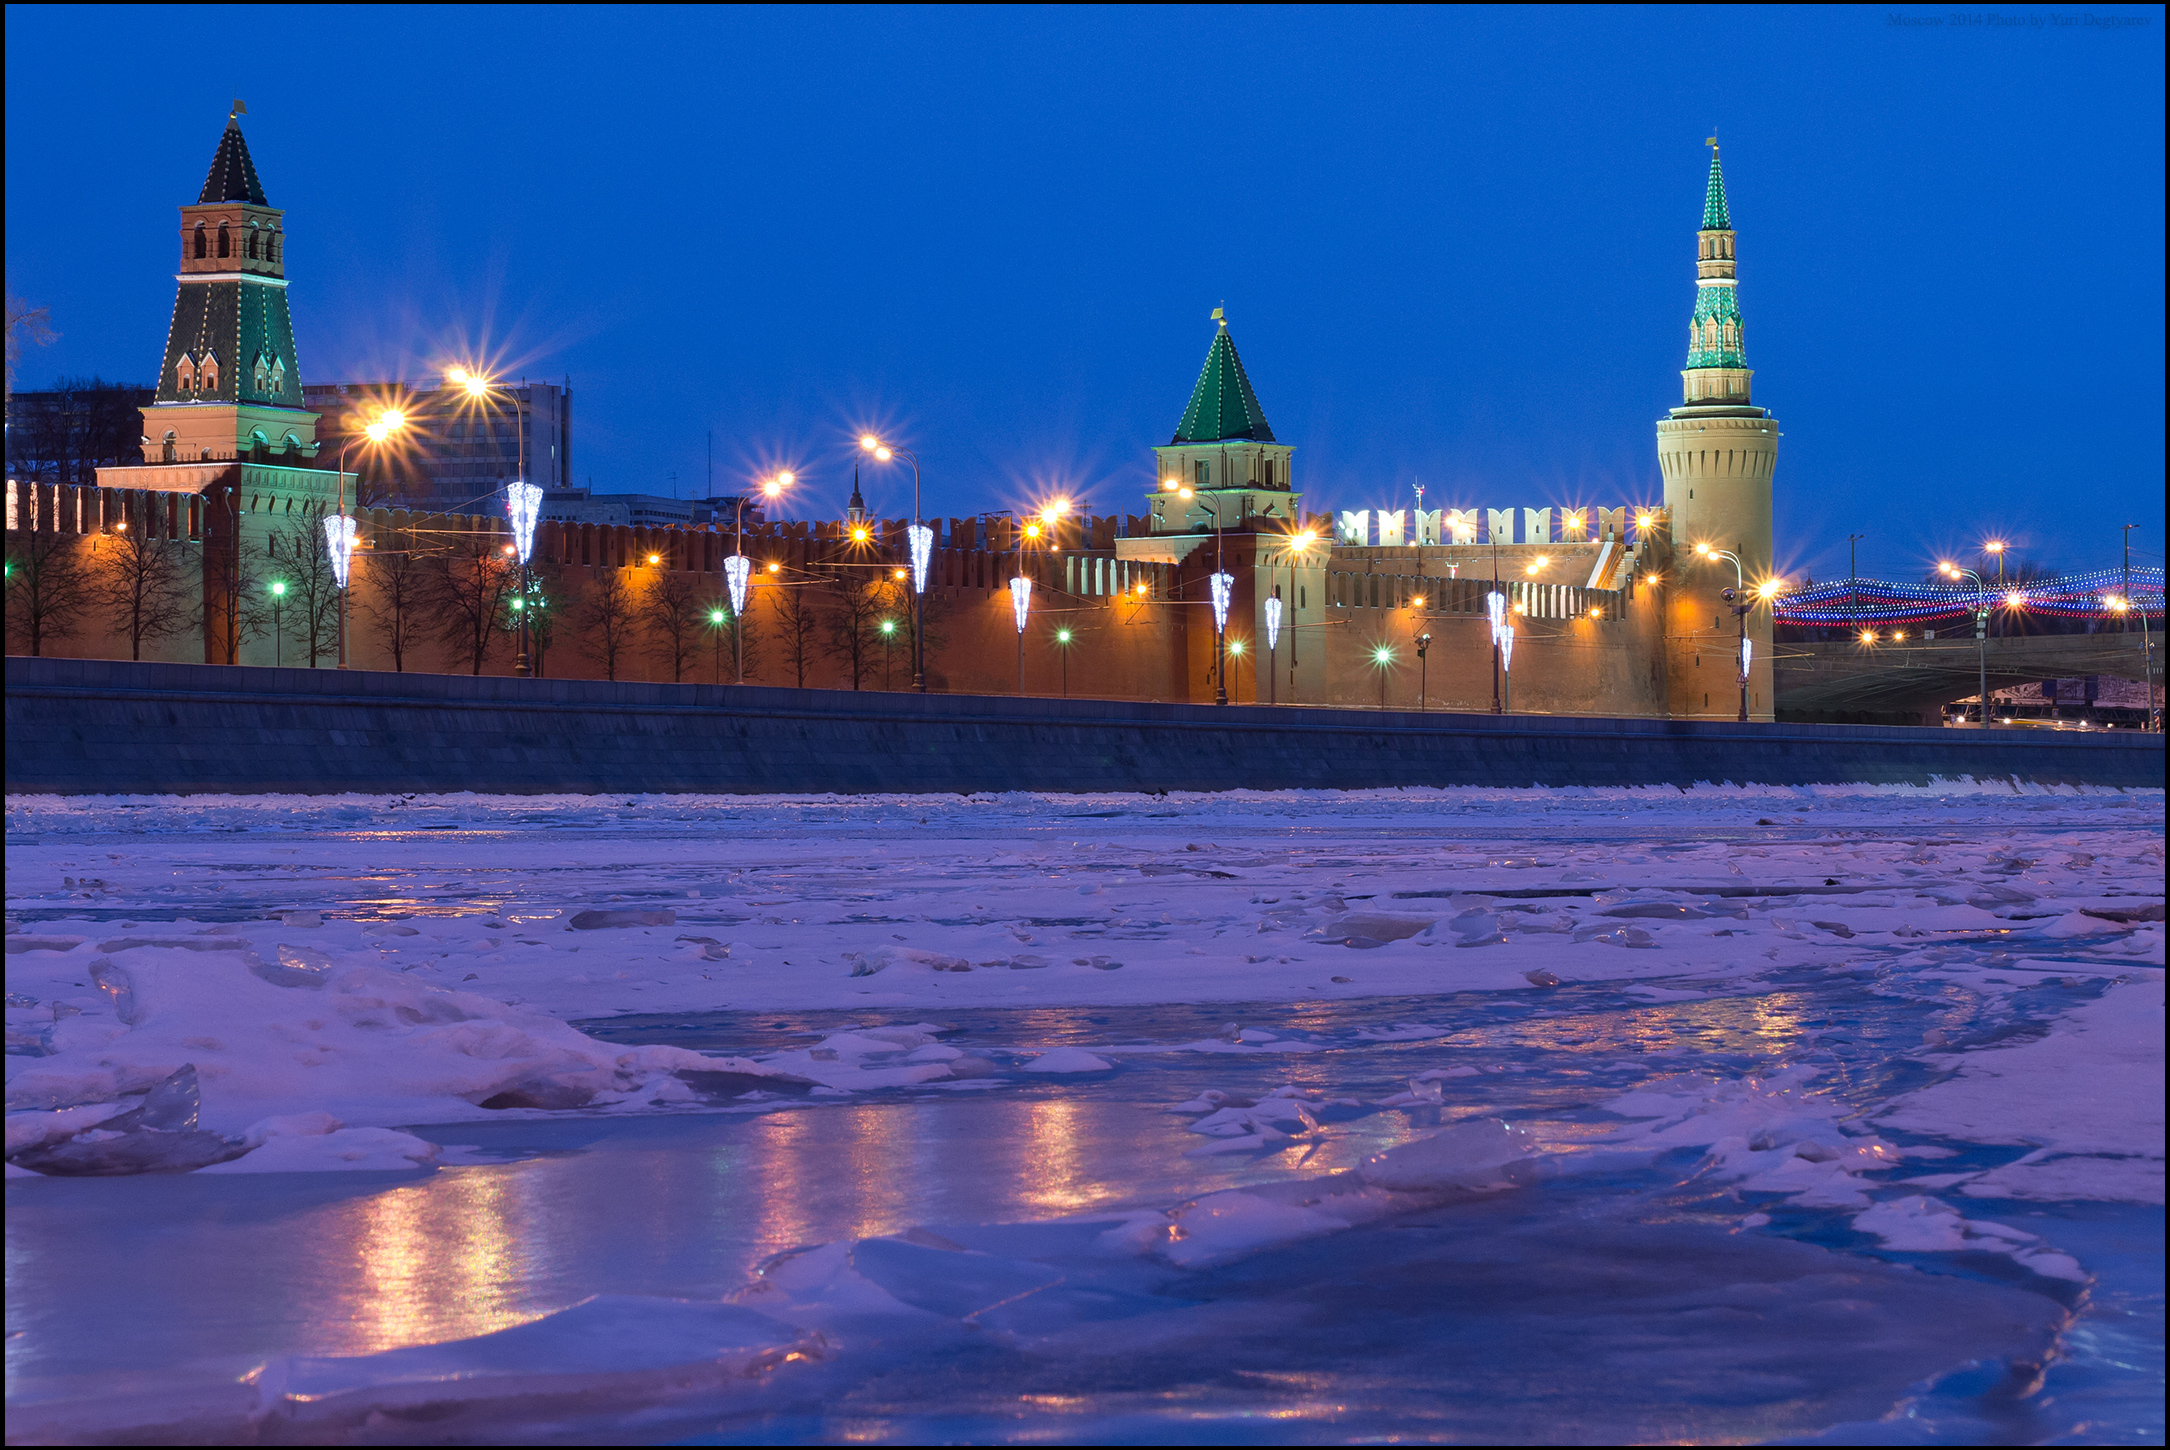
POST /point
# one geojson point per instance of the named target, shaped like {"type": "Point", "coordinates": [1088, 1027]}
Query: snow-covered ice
{"type": "Point", "coordinates": [1008, 1068]}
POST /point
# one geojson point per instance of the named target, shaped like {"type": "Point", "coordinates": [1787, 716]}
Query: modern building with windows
{"type": "Point", "coordinates": [455, 451]}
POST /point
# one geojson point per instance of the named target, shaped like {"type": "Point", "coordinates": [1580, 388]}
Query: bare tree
{"type": "Point", "coordinates": [860, 606]}
{"type": "Point", "coordinates": [27, 326]}
{"type": "Point", "coordinates": [295, 554]}
{"type": "Point", "coordinates": [140, 581]}
{"type": "Point", "coordinates": [48, 587]}
{"type": "Point", "coordinates": [471, 584]}
{"type": "Point", "coordinates": [798, 626]}
{"type": "Point", "coordinates": [608, 618]}
{"type": "Point", "coordinates": [672, 611]}
{"type": "Point", "coordinates": [65, 432]}
{"type": "Point", "coordinates": [398, 583]}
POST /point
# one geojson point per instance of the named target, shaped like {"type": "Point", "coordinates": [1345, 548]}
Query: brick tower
{"type": "Point", "coordinates": [1718, 453]}
{"type": "Point", "coordinates": [229, 386]}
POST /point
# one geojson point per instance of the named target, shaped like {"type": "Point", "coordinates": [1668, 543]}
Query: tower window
{"type": "Point", "coordinates": [271, 246]}
{"type": "Point", "coordinates": [250, 246]}
{"type": "Point", "coordinates": [170, 452]}
{"type": "Point", "coordinates": [226, 247]}
{"type": "Point", "coordinates": [202, 243]}
{"type": "Point", "coordinates": [1205, 473]}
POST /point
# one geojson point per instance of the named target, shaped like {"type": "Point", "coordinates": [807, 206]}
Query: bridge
{"type": "Point", "coordinates": [1922, 675]}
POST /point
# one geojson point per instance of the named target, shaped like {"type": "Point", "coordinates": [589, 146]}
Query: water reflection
{"type": "Point", "coordinates": [438, 1261]}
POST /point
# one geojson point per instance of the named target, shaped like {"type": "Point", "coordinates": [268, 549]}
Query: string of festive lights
{"type": "Point", "coordinates": [1879, 601]}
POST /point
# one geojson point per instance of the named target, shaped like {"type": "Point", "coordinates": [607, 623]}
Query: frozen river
{"type": "Point", "coordinates": [1504, 1116]}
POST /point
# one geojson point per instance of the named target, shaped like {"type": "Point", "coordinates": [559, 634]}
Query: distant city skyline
{"type": "Point", "coordinates": [1457, 248]}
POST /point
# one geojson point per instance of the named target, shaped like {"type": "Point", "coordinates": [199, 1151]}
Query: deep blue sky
{"type": "Point", "coordinates": [1454, 245]}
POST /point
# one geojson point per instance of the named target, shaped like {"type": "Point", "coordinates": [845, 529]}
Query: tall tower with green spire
{"type": "Point", "coordinates": [1718, 453]}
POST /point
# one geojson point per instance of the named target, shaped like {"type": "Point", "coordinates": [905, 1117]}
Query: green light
{"type": "Point", "coordinates": [715, 616]}
{"type": "Point", "coordinates": [1062, 636]}
{"type": "Point", "coordinates": [279, 587]}
{"type": "Point", "coordinates": [889, 626]}
{"type": "Point", "coordinates": [1382, 656]}
{"type": "Point", "coordinates": [1235, 646]}
{"type": "Point", "coordinates": [519, 604]}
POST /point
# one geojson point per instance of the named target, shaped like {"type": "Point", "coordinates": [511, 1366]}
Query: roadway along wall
{"type": "Point", "coordinates": [102, 726]}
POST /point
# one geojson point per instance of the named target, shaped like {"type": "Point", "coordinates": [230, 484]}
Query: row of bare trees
{"type": "Point", "coordinates": [459, 591]}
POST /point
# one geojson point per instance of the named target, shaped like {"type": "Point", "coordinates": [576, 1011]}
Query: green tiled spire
{"type": "Point", "coordinates": [1222, 406]}
{"type": "Point", "coordinates": [1716, 218]}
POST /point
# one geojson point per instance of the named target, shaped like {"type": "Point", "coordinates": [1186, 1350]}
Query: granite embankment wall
{"type": "Point", "coordinates": [97, 726]}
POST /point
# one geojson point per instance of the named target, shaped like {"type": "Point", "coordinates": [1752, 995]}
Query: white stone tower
{"type": "Point", "coordinates": [1718, 453]}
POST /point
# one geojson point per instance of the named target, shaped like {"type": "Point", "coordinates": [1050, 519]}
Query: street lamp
{"type": "Point", "coordinates": [715, 622]}
{"type": "Point", "coordinates": [339, 529]}
{"type": "Point", "coordinates": [1424, 642]}
{"type": "Point", "coordinates": [278, 632]}
{"type": "Point", "coordinates": [738, 570]}
{"type": "Point", "coordinates": [1235, 652]}
{"type": "Point", "coordinates": [889, 632]}
{"type": "Point", "coordinates": [1980, 611]}
{"type": "Point", "coordinates": [921, 539]}
{"type": "Point", "coordinates": [1062, 643]}
{"type": "Point", "coordinates": [1299, 543]}
{"type": "Point", "coordinates": [1740, 601]}
{"type": "Point", "coordinates": [523, 501]}
{"type": "Point", "coordinates": [1382, 659]}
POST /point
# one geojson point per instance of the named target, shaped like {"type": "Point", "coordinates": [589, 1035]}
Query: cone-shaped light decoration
{"type": "Point", "coordinates": [1273, 621]}
{"type": "Point", "coordinates": [1748, 650]}
{"type": "Point", "coordinates": [736, 571]}
{"type": "Point", "coordinates": [922, 540]}
{"type": "Point", "coordinates": [1495, 609]}
{"type": "Point", "coordinates": [1223, 589]}
{"type": "Point", "coordinates": [339, 539]}
{"type": "Point", "coordinates": [1021, 599]}
{"type": "Point", "coordinates": [524, 502]}
{"type": "Point", "coordinates": [1506, 647]}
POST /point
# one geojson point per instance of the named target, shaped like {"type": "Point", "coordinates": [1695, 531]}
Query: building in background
{"type": "Point", "coordinates": [455, 452]}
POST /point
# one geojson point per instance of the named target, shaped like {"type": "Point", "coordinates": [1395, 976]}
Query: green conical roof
{"type": "Point", "coordinates": [1716, 218]}
{"type": "Point", "coordinates": [1222, 405]}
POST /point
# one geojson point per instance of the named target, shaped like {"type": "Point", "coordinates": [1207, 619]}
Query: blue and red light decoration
{"type": "Point", "coordinates": [1879, 601]}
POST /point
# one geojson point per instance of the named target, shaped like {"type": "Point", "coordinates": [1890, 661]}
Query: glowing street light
{"type": "Point", "coordinates": [738, 569]}
{"type": "Point", "coordinates": [1299, 543]}
{"type": "Point", "coordinates": [1980, 611]}
{"type": "Point", "coordinates": [340, 528]}
{"type": "Point", "coordinates": [715, 623]}
{"type": "Point", "coordinates": [920, 538]}
{"type": "Point", "coordinates": [278, 633]}
{"type": "Point", "coordinates": [523, 501]}
{"type": "Point", "coordinates": [1741, 601]}
{"type": "Point", "coordinates": [1062, 644]}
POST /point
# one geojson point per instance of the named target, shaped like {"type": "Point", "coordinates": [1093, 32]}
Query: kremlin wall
{"type": "Point", "coordinates": [1605, 611]}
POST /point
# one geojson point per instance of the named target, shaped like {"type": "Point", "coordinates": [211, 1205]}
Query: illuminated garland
{"type": "Point", "coordinates": [2079, 596]}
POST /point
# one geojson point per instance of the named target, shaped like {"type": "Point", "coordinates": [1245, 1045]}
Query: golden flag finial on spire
{"type": "Point", "coordinates": [240, 109]}
{"type": "Point", "coordinates": [1218, 315]}
{"type": "Point", "coordinates": [1711, 142]}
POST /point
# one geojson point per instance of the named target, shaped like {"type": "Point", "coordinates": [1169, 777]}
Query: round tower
{"type": "Point", "coordinates": [1718, 453]}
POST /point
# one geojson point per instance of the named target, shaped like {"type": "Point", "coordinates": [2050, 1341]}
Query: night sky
{"type": "Point", "coordinates": [1456, 247]}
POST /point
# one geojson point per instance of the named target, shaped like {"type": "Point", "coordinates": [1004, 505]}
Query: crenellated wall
{"type": "Point", "coordinates": [1114, 613]}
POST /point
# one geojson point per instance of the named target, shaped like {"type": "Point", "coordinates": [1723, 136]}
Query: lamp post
{"type": "Point", "coordinates": [1980, 611]}
{"type": "Point", "coordinates": [1495, 609]}
{"type": "Point", "coordinates": [1853, 590]}
{"type": "Point", "coordinates": [715, 623]}
{"type": "Point", "coordinates": [1382, 659]}
{"type": "Point", "coordinates": [1299, 543]}
{"type": "Point", "coordinates": [889, 632]}
{"type": "Point", "coordinates": [278, 630]}
{"type": "Point", "coordinates": [1503, 646]}
{"type": "Point", "coordinates": [1740, 602]}
{"type": "Point", "coordinates": [1062, 643]}
{"type": "Point", "coordinates": [523, 501]}
{"type": "Point", "coordinates": [921, 540]}
{"type": "Point", "coordinates": [738, 571]}
{"type": "Point", "coordinates": [339, 529]}
{"type": "Point", "coordinates": [1235, 652]}
{"type": "Point", "coordinates": [1424, 642]}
